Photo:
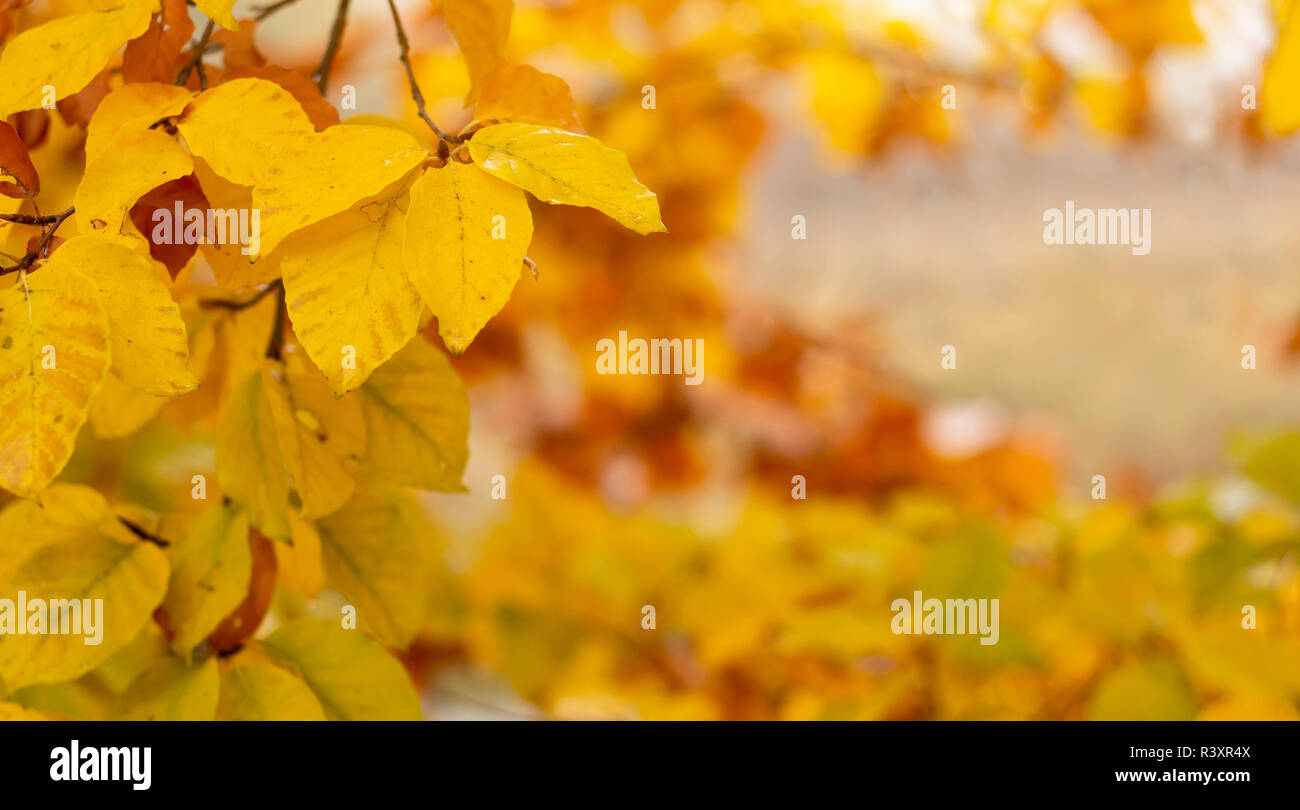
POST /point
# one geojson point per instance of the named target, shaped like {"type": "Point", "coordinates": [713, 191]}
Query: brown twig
{"type": "Point", "coordinates": [416, 95]}
{"type": "Point", "coordinates": [196, 61]}
{"type": "Point", "coordinates": [235, 306]}
{"type": "Point", "coordinates": [51, 224]}
{"type": "Point", "coordinates": [332, 47]}
{"type": "Point", "coordinates": [275, 346]}
{"type": "Point", "coordinates": [142, 533]}
{"type": "Point", "coordinates": [29, 219]}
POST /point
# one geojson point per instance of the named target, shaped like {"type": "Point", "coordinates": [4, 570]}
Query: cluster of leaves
{"type": "Point", "coordinates": [321, 402]}
{"type": "Point", "coordinates": [785, 615]}
{"type": "Point", "coordinates": [1123, 612]}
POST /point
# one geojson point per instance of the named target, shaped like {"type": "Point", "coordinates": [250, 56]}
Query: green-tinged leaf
{"type": "Point", "coordinates": [351, 674]}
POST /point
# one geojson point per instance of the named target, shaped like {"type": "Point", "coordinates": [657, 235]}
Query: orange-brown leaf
{"type": "Point", "coordinates": [155, 55]}
{"type": "Point", "coordinates": [185, 191]}
{"type": "Point", "coordinates": [17, 164]}
{"type": "Point", "coordinates": [524, 93]}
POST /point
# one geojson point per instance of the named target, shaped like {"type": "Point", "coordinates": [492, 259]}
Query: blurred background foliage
{"type": "Point", "coordinates": [627, 491]}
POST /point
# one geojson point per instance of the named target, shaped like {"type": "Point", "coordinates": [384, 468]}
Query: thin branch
{"type": "Point", "coordinates": [332, 48]}
{"type": "Point", "coordinates": [28, 219]}
{"type": "Point", "coordinates": [410, 75]}
{"type": "Point", "coordinates": [142, 533]}
{"type": "Point", "coordinates": [197, 59]}
{"type": "Point", "coordinates": [235, 306]}
{"type": "Point", "coordinates": [275, 347]}
{"type": "Point", "coordinates": [39, 251]}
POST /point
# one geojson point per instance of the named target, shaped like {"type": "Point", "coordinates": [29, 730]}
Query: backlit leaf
{"type": "Point", "coordinates": [54, 353]}
{"type": "Point", "coordinates": [561, 167]}
{"type": "Point", "coordinates": [466, 237]}
{"type": "Point", "coordinates": [75, 549]}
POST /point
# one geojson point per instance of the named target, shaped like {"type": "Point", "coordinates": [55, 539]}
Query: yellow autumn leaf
{"type": "Point", "coordinates": [481, 28]}
{"type": "Point", "coordinates": [348, 294]}
{"type": "Point", "coordinates": [221, 12]}
{"type": "Point", "coordinates": [211, 565]}
{"type": "Point", "coordinates": [124, 667]}
{"type": "Point", "coordinates": [119, 409]}
{"type": "Point", "coordinates": [377, 554]}
{"type": "Point", "coordinates": [73, 550]}
{"type": "Point", "coordinates": [565, 168]}
{"type": "Point", "coordinates": [417, 420]}
{"type": "Point", "coordinates": [66, 53]}
{"type": "Point", "coordinates": [524, 93]}
{"type": "Point", "coordinates": [358, 161]}
{"type": "Point", "coordinates": [1279, 101]}
{"type": "Point", "coordinates": [258, 690]}
{"type": "Point", "coordinates": [131, 108]}
{"type": "Point", "coordinates": [466, 237]}
{"type": "Point", "coordinates": [174, 691]}
{"type": "Point", "coordinates": [131, 165]}
{"type": "Point", "coordinates": [242, 129]}
{"type": "Point", "coordinates": [848, 96]}
{"type": "Point", "coordinates": [1149, 690]}
{"type": "Point", "coordinates": [248, 463]}
{"type": "Point", "coordinates": [231, 267]}
{"type": "Point", "coordinates": [351, 674]}
{"type": "Point", "coordinates": [298, 563]}
{"type": "Point", "coordinates": [321, 438]}
{"type": "Point", "coordinates": [54, 354]}
{"type": "Point", "coordinates": [150, 349]}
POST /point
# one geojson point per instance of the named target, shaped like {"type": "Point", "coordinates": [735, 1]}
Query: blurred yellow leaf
{"type": "Point", "coordinates": [211, 565]}
{"type": "Point", "coordinates": [377, 552]}
{"type": "Point", "coordinates": [74, 549]}
{"type": "Point", "coordinates": [352, 676]}
{"type": "Point", "coordinates": [417, 420]}
{"type": "Point", "coordinates": [321, 439]}
{"type": "Point", "coordinates": [174, 691]}
{"type": "Point", "coordinates": [260, 691]}
{"type": "Point", "coordinates": [481, 28]}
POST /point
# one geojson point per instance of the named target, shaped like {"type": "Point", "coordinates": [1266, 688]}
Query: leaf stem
{"type": "Point", "coordinates": [140, 532]}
